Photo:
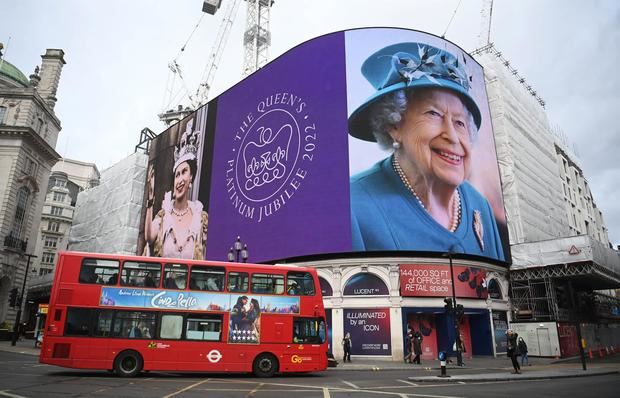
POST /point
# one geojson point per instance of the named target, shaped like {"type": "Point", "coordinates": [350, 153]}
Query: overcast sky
{"type": "Point", "coordinates": [117, 52]}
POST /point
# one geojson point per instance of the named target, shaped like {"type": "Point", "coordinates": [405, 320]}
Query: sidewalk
{"type": "Point", "coordinates": [21, 347]}
{"type": "Point", "coordinates": [475, 369]}
{"type": "Point", "coordinates": [489, 369]}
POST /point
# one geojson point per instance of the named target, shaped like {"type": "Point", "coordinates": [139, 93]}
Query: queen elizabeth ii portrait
{"type": "Point", "coordinates": [177, 226]}
{"type": "Point", "coordinates": [419, 197]}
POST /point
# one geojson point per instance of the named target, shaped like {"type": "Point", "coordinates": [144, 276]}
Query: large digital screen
{"type": "Point", "coordinates": [367, 140]}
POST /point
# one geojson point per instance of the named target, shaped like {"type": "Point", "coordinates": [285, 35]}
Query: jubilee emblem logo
{"type": "Point", "coordinates": [271, 153]}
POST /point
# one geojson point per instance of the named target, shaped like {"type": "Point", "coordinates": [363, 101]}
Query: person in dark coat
{"type": "Point", "coordinates": [417, 346]}
{"type": "Point", "coordinates": [346, 345]}
{"type": "Point", "coordinates": [409, 345]}
{"type": "Point", "coordinates": [522, 347]}
{"type": "Point", "coordinates": [512, 349]}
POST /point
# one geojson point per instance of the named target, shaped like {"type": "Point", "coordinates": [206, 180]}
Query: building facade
{"type": "Point", "coordinates": [67, 180]}
{"type": "Point", "coordinates": [29, 131]}
{"type": "Point", "coordinates": [561, 254]}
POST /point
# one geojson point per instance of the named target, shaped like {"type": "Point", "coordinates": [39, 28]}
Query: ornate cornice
{"type": "Point", "coordinates": [35, 139]}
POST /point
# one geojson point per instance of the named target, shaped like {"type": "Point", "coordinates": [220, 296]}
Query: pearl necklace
{"type": "Point", "coordinates": [455, 215]}
{"type": "Point", "coordinates": [180, 214]}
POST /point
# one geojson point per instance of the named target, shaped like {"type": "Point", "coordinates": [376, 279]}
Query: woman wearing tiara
{"type": "Point", "coordinates": [179, 229]}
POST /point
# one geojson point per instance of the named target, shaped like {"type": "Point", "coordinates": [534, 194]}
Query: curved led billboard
{"type": "Point", "coordinates": [365, 140]}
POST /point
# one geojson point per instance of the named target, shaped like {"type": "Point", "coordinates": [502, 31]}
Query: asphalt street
{"type": "Point", "coordinates": [22, 376]}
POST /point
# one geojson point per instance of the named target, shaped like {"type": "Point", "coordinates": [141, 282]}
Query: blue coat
{"type": "Point", "coordinates": [386, 216]}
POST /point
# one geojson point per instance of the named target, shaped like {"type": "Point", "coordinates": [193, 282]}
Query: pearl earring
{"type": "Point", "coordinates": [396, 145]}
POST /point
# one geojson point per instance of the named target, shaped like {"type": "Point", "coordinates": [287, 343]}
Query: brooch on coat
{"type": "Point", "coordinates": [478, 229]}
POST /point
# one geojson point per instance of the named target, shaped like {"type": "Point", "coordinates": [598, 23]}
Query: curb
{"type": "Point", "coordinates": [482, 377]}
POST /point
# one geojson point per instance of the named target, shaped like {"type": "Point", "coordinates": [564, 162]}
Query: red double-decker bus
{"type": "Point", "coordinates": [129, 314]}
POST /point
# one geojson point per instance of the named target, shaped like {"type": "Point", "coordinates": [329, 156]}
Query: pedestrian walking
{"type": "Point", "coordinates": [417, 346]}
{"type": "Point", "coordinates": [346, 345]}
{"type": "Point", "coordinates": [512, 350]}
{"type": "Point", "coordinates": [409, 345]}
{"type": "Point", "coordinates": [459, 347]}
{"type": "Point", "coordinates": [522, 347]}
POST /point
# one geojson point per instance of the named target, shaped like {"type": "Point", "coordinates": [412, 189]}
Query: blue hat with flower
{"type": "Point", "coordinates": [410, 66]}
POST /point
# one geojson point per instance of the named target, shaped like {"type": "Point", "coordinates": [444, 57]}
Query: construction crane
{"type": "Point", "coordinates": [486, 13]}
{"type": "Point", "coordinates": [256, 41]}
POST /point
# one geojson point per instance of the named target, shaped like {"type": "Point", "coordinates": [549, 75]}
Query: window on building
{"type": "Point", "coordinates": [48, 258]}
{"type": "Point", "coordinates": [20, 212]}
{"type": "Point", "coordinates": [30, 167]}
{"type": "Point", "coordinates": [56, 211]}
{"type": "Point", "coordinates": [2, 114]}
{"type": "Point", "coordinates": [60, 183]}
{"type": "Point", "coordinates": [38, 124]}
{"type": "Point", "coordinates": [53, 226]}
{"type": "Point", "coordinates": [50, 241]}
{"type": "Point", "coordinates": [59, 196]}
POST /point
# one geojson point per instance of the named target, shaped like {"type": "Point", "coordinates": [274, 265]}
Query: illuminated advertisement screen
{"type": "Point", "coordinates": [422, 280]}
{"type": "Point", "coordinates": [369, 330]}
{"type": "Point", "coordinates": [367, 140]}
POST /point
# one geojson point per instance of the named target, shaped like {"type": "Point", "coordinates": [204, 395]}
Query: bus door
{"type": "Point", "coordinates": [308, 340]}
{"type": "Point", "coordinates": [203, 333]}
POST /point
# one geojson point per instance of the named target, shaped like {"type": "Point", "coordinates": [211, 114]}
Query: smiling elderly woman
{"type": "Point", "coordinates": [419, 198]}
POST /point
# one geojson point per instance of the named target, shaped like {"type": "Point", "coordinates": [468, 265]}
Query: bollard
{"type": "Point", "coordinates": [442, 363]}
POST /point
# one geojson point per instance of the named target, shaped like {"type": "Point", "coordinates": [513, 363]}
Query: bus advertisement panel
{"type": "Point", "coordinates": [129, 314]}
{"type": "Point", "coordinates": [364, 140]}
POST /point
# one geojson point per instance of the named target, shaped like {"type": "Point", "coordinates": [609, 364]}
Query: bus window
{"type": "Point", "coordinates": [204, 327]}
{"type": "Point", "coordinates": [134, 324]}
{"type": "Point", "coordinates": [309, 330]}
{"type": "Point", "coordinates": [171, 327]}
{"type": "Point", "coordinates": [237, 282]}
{"type": "Point", "coordinates": [103, 324]}
{"type": "Point", "coordinates": [267, 283]}
{"type": "Point", "coordinates": [98, 271]}
{"type": "Point", "coordinates": [78, 322]}
{"type": "Point", "coordinates": [140, 274]}
{"type": "Point", "coordinates": [299, 284]}
{"type": "Point", "coordinates": [175, 276]}
{"type": "Point", "coordinates": [207, 278]}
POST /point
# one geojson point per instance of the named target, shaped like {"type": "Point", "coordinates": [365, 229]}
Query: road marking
{"type": "Point", "coordinates": [186, 388]}
{"type": "Point", "coordinates": [407, 382]}
{"type": "Point", "coordinates": [251, 393]}
{"type": "Point", "coordinates": [6, 394]}
{"type": "Point", "coordinates": [348, 383]}
{"type": "Point", "coordinates": [326, 393]}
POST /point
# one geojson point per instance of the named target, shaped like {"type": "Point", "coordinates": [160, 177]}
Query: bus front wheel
{"type": "Point", "coordinates": [265, 365]}
{"type": "Point", "coordinates": [128, 364]}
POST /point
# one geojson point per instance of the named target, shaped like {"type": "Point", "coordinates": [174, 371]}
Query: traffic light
{"type": "Point", "coordinates": [448, 306]}
{"type": "Point", "coordinates": [13, 297]}
{"type": "Point", "coordinates": [459, 311]}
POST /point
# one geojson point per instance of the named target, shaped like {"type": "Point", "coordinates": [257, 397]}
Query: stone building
{"type": "Point", "coordinates": [29, 131]}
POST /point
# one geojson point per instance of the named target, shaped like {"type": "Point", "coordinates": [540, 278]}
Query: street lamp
{"type": "Point", "coordinates": [238, 251]}
{"type": "Point", "coordinates": [454, 309]}
{"type": "Point", "coordinates": [18, 317]}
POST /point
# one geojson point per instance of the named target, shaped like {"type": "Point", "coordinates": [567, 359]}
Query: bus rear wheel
{"type": "Point", "coordinates": [128, 364]}
{"type": "Point", "coordinates": [265, 365]}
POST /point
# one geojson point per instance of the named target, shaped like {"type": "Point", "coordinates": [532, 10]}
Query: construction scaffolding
{"type": "Point", "coordinates": [536, 299]}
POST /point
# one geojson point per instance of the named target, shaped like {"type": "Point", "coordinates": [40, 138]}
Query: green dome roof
{"type": "Point", "coordinates": [9, 70]}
